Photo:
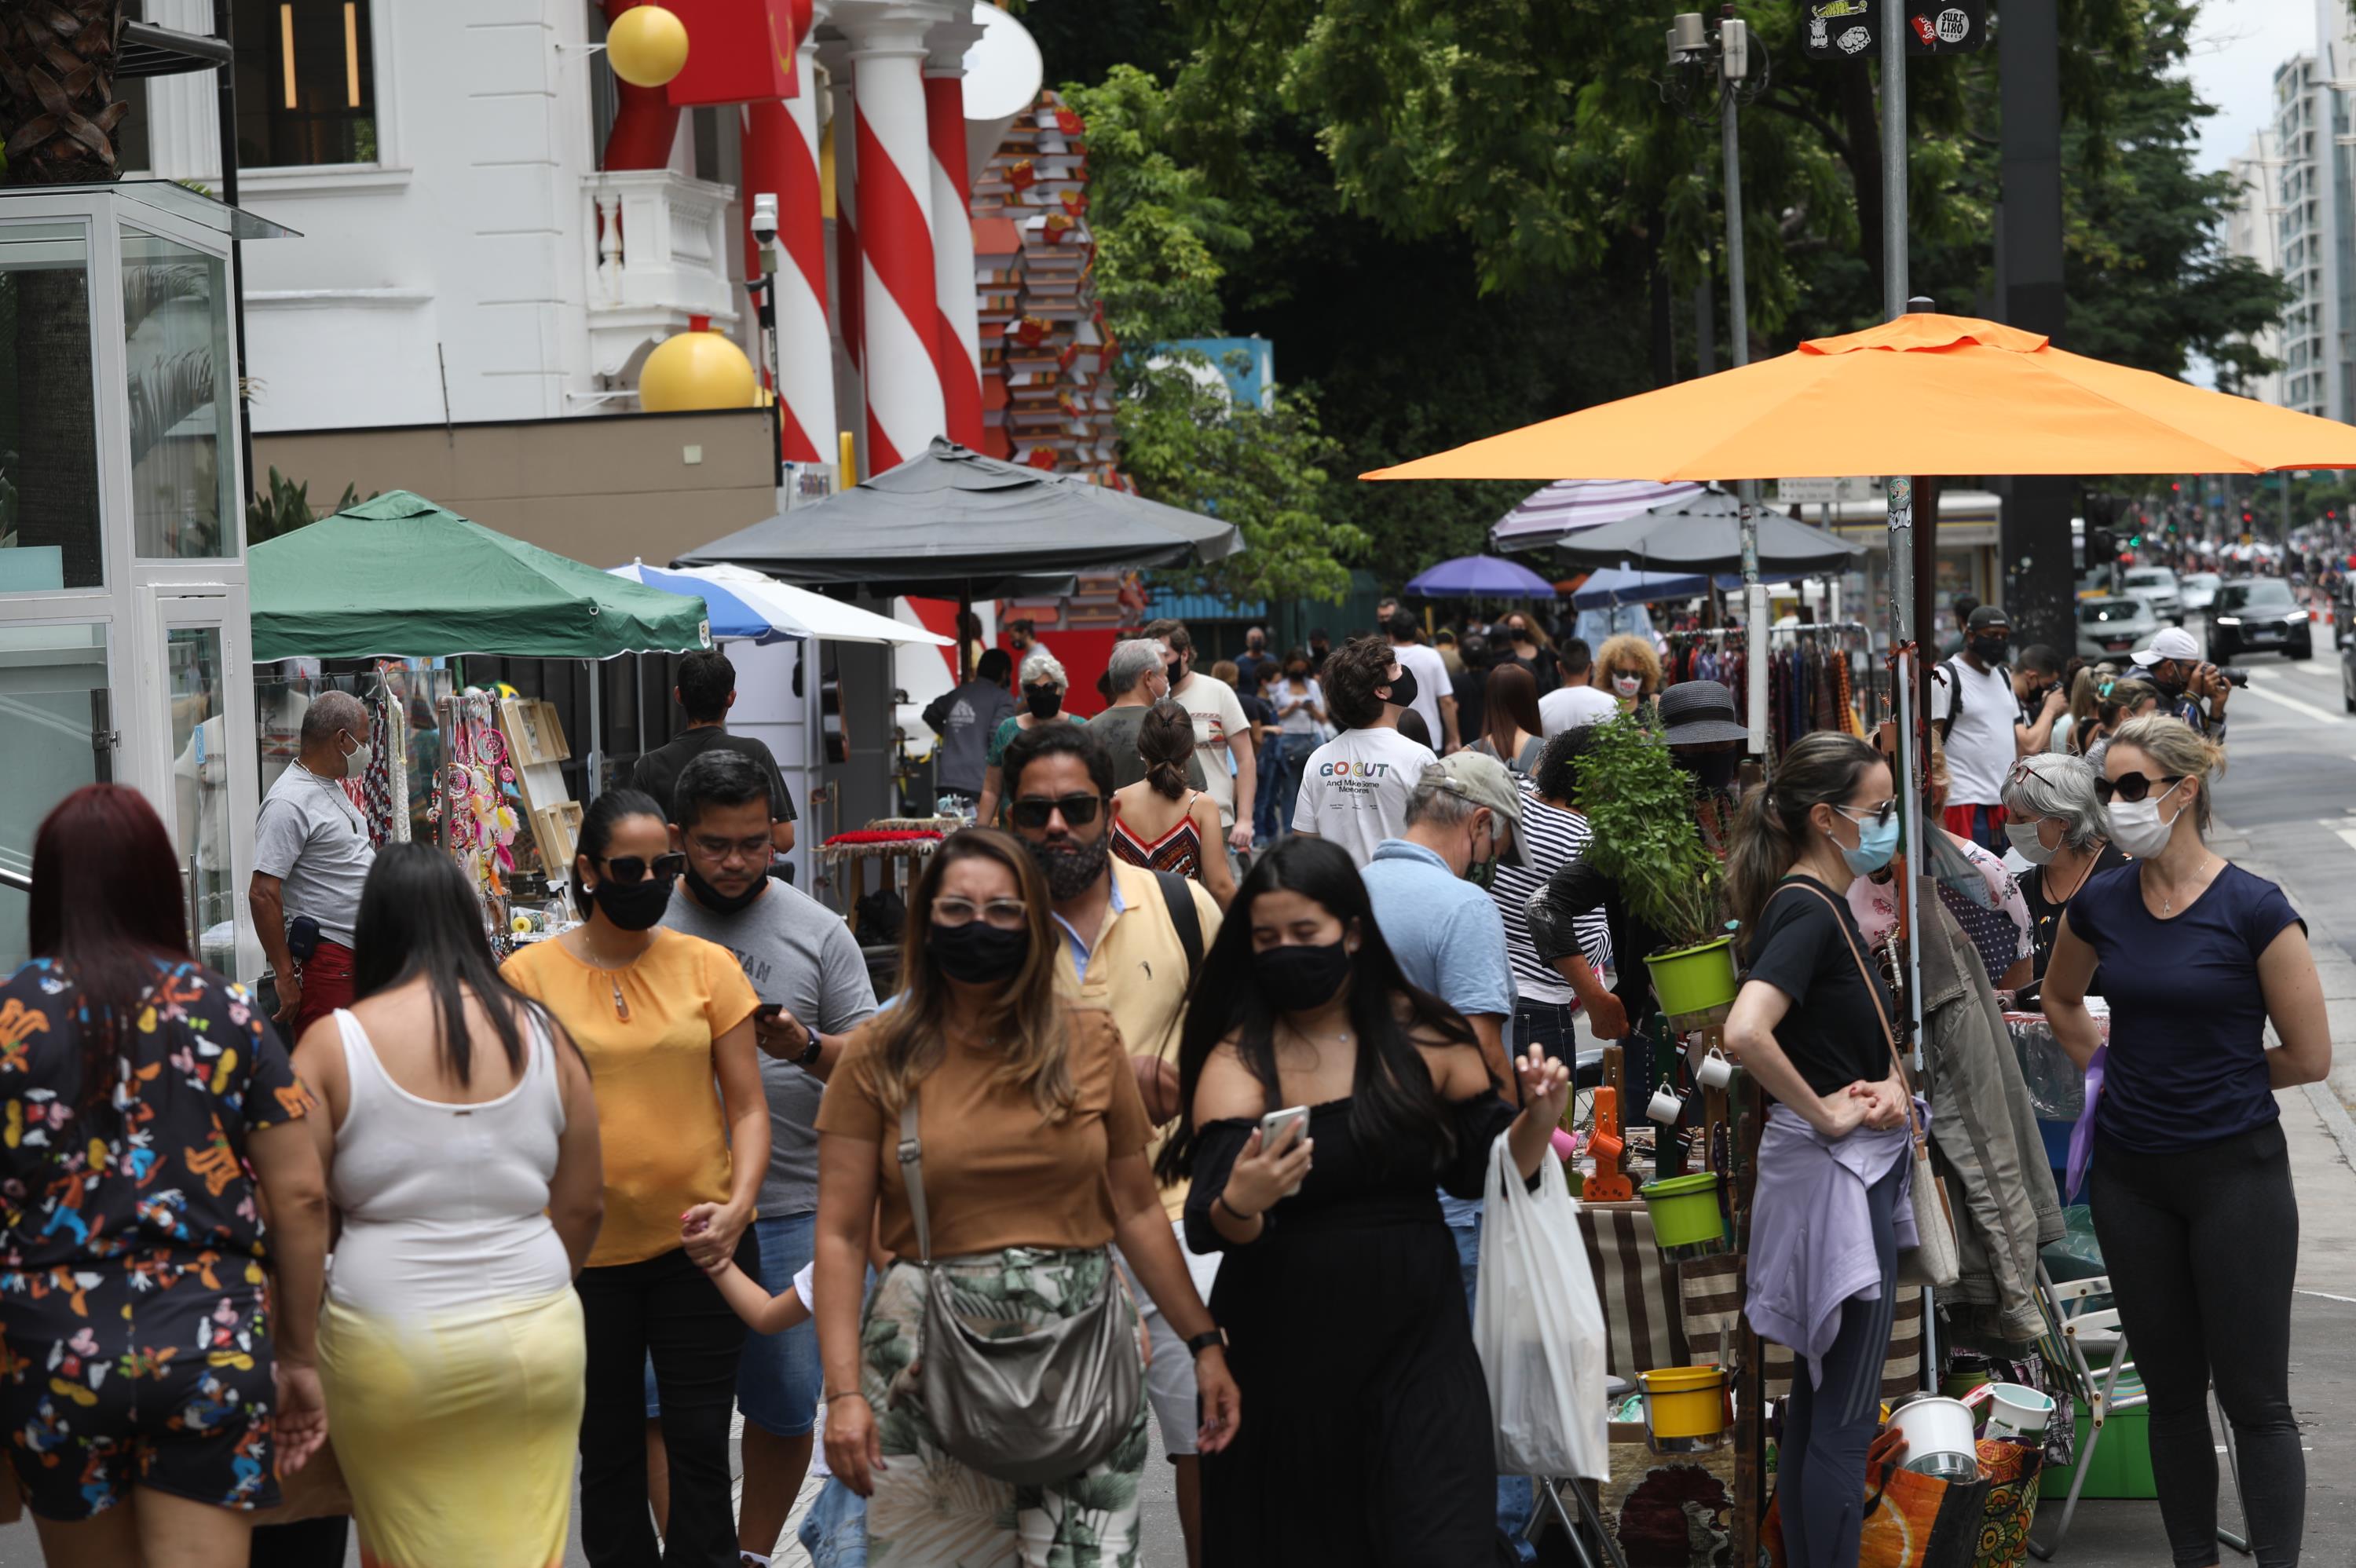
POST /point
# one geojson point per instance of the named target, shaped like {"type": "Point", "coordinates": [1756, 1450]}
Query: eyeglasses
{"type": "Point", "coordinates": [1006, 914]}
{"type": "Point", "coordinates": [2132, 787]}
{"type": "Point", "coordinates": [1078, 810]}
{"type": "Point", "coordinates": [635, 867]}
{"type": "Point", "coordinates": [1879, 815]}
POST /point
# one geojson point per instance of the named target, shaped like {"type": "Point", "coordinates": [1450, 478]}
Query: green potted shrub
{"type": "Point", "coordinates": [1639, 804]}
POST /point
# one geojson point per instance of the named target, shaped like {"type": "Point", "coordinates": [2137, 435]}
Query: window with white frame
{"type": "Point", "coordinates": [305, 83]}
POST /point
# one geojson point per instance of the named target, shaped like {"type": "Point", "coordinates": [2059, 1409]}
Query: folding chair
{"type": "Point", "coordinates": [2073, 1335]}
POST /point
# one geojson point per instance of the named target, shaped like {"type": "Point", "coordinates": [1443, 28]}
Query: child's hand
{"type": "Point", "coordinates": [697, 1221]}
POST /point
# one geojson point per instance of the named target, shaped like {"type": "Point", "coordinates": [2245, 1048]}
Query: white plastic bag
{"type": "Point", "coordinates": [1539, 1326]}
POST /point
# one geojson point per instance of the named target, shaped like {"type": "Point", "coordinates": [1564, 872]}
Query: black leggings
{"type": "Point", "coordinates": [669, 1309]}
{"type": "Point", "coordinates": [2202, 1248]}
{"type": "Point", "coordinates": [1828, 1426]}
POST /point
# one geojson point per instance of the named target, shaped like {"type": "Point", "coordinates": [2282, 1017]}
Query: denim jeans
{"type": "Point", "coordinates": [1552, 1025]}
{"type": "Point", "coordinates": [834, 1531]}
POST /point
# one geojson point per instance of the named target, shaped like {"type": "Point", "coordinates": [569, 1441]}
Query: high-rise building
{"type": "Point", "coordinates": [2253, 229]}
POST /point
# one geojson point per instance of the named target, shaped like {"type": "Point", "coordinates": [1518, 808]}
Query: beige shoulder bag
{"type": "Point", "coordinates": [1935, 1259]}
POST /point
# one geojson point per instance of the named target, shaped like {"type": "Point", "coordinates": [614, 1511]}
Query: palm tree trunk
{"type": "Point", "coordinates": [57, 110]}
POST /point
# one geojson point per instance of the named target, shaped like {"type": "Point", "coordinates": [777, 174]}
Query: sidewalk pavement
{"type": "Point", "coordinates": [2322, 1138]}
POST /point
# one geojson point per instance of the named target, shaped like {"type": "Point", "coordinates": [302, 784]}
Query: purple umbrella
{"type": "Point", "coordinates": [1479, 577]}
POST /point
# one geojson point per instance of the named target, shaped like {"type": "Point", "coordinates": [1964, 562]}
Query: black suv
{"type": "Point", "coordinates": [2254, 615]}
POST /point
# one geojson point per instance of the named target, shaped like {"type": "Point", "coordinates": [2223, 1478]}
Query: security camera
{"type": "Point", "coordinates": [764, 219]}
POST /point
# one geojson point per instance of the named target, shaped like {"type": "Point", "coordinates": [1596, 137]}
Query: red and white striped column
{"type": "Point", "coordinates": [901, 313]}
{"type": "Point", "coordinates": [958, 327]}
{"type": "Point", "coordinates": [781, 159]}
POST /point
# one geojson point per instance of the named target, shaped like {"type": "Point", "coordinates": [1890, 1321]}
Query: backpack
{"type": "Point", "coordinates": [1178, 897]}
{"type": "Point", "coordinates": [1947, 671]}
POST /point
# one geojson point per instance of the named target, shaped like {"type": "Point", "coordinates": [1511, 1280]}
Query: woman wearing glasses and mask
{"type": "Point", "coordinates": [659, 1015]}
{"type": "Point", "coordinates": [2191, 1184]}
{"type": "Point", "coordinates": [1811, 1023]}
{"type": "Point", "coordinates": [2056, 823]}
{"type": "Point", "coordinates": [1028, 1151]}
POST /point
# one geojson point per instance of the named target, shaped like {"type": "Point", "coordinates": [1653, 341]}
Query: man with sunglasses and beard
{"type": "Point", "coordinates": [806, 967]}
{"type": "Point", "coordinates": [1132, 940]}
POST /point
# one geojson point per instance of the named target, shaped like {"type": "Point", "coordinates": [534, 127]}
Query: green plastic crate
{"type": "Point", "coordinates": [2123, 1464]}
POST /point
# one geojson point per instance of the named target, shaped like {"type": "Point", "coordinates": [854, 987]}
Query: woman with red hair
{"type": "Point", "coordinates": [155, 1392]}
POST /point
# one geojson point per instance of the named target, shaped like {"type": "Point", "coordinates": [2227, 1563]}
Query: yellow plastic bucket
{"type": "Point", "coordinates": [1685, 1408]}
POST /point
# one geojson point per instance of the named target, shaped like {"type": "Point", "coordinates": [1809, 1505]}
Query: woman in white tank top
{"type": "Point", "coordinates": [461, 1143]}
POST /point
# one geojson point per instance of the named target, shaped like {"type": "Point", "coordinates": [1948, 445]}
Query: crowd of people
{"type": "Point", "coordinates": [1217, 1011]}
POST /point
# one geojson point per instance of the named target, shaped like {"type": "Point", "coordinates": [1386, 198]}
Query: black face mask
{"type": "Point", "coordinates": [715, 900]}
{"type": "Point", "coordinates": [633, 906]}
{"type": "Point", "coordinates": [1295, 979]}
{"type": "Point", "coordinates": [1989, 650]}
{"type": "Point", "coordinates": [1403, 688]}
{"type": "Point", "coordinates": [1043, 702]}
{"type": "Point", "coordinates": [1070, 866]}
{"type": "Point", "coordinates": [978, 952]}
{"type": "Point", "coordinates": [1710, 770]}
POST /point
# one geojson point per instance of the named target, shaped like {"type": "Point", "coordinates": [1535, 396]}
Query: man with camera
{"type": "Point", "coordinates": [2190, 688]}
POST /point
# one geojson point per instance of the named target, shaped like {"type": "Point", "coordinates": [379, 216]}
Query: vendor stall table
{"type": "Point", "coordinates": [900, 842]}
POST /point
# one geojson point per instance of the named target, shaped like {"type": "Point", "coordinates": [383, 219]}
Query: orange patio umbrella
{"type": "Point", "coordinates": [1925, 394]}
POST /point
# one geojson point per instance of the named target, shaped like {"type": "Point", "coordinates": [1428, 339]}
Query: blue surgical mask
{"type": "Point", "coordinates": [1876, 843]}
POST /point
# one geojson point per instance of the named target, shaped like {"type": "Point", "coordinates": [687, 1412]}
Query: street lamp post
{"type": "Point", "coordinates": [1725, 58]}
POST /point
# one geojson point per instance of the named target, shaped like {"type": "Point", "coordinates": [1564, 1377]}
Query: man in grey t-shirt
{"type": "Point", "coordinates": [311, 856]}
{"type": "Point", "coordinates": [812, 981]}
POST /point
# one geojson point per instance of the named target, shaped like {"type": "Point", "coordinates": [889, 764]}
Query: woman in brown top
{"type": "Point", "coordinates": [1034, 1147]}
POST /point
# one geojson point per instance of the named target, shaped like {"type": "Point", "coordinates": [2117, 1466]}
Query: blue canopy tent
{"type": "Point", "coordinates": [1612, 585]}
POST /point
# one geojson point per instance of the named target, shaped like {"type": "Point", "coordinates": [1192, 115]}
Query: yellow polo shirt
{"type": "Point", "coordinates": [1137, 972]}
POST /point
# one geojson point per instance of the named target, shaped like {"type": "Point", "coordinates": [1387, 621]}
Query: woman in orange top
{"type": "Point", "coordinates": [1032, 1137]}
{"type": "Point", "coordinates": [659, 1015]}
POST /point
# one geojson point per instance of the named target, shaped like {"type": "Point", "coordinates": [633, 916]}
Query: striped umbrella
{"type": "Point", "coordinates": [1568, 506]}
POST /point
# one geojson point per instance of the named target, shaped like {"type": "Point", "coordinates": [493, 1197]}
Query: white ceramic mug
{"type": "Point", "coordinates": [1666, 1106]}
{"type": "Point", "coordinates": [1939, 1439]}
{"type": "Point", "coordinates": [2015, 1409]}
{"type": "Point", "coordinates": [1712, 1070]}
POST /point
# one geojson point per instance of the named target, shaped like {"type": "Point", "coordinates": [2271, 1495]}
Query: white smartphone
{"type": "Point", "coordinates": [1279, 1130]}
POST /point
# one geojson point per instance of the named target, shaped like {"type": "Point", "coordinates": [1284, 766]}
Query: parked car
{"type": "Point", "coordinates": [2197, 590]}
{"type": "Point", "coordinates": [2258, 614]}
{"type": "Point", "coordinates": [2157, 585]}
{"type": "Point", "coordinates": [2113, 625]}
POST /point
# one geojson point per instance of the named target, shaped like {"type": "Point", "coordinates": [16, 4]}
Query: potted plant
{"type": "Point", "coordinates": [1639, 804]}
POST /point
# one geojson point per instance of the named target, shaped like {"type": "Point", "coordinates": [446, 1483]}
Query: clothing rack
{"type": "Point", "coordinates": [1815, 671]}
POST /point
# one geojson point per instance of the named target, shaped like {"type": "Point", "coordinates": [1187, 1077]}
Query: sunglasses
{"type": "Point", "coordinates": [1078, 810]}
{"type": "Point", "coordinates": [1879, 815]}
{"type": "Point", "coordinates": [2133, 787]}
{"type": "Point", "coordinates": [634, 868]}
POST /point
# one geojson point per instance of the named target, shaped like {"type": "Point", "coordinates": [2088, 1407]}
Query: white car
{"type": "Point", "coordinates": [2198, 589]}
{"type": "Point", "coordinates": [2155, 585]}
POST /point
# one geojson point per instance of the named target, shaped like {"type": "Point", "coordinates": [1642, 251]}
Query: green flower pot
{"type": "Point", "coordinates": [1686, 1223]}
{"type": "Point", "coordinates": [1695, 979]}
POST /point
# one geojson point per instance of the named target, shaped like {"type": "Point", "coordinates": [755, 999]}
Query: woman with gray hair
{"type": "Point", "coordinates": [2056, 825]}
{"type": "Point", "coordinates": [1042, 683]}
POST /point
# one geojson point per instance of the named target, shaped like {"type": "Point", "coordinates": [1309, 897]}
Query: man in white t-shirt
{"type": "Point", "coordinates": [1434, 691]}
{"type": "Point", "coordinates": [1354, 788]}
{"type": "Point", "coordinates": [1577, 700]}
{"type": "Point", "coordinates": [1975, 708]}
{"type": "Point", "coordinates": [1220, 727]}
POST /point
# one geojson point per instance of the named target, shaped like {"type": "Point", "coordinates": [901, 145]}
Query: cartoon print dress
{"type": "Point", "coordinates": [138, 1329]}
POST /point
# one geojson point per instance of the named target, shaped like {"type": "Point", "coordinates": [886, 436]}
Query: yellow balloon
{"type": "Point", "coordinates": [646, 46]}
{"type": "Point", "coordinates": [696, 370]}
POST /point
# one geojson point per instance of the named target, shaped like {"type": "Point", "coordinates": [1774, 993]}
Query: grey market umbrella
{"type": "Point", "coordinates": [1701, 534]}
{"type": "Point", "coordinates": [950, 521]}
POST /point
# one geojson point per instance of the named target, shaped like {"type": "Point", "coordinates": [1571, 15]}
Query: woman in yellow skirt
{"type": "Point", "coordinates": [463, 1158]}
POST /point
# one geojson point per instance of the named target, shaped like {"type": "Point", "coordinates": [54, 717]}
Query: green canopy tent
{"type": "Point", "coordinates": [398, 577]}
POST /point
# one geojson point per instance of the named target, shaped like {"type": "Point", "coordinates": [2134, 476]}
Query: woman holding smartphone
{"type": "Point", "coordinates": [1371, 1439]}
{"type": "Point", "coordinates": [665, 1021]}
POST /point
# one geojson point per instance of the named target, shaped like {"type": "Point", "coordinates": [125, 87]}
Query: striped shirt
{"type": "Point", "coordinates": [1550, 838]}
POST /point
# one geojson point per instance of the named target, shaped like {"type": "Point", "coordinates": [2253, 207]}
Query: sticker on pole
{"type": "Point", "coordinates": [1850, 29]}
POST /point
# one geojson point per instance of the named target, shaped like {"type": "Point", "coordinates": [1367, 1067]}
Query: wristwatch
{"type": "Point", "coordinates": [1209, 1338]}
{"type": "Point", "coordinates": [810, 1047]}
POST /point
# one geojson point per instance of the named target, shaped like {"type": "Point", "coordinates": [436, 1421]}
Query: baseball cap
{"type": "Point", "coordinates": [2173, 642]}
{"type": "Point", "coordinates": [1482, 780]}
{"type": "Point", "coordinates": [1988, 615]}
{"type": "Point", "coordinates": [1699, 710]}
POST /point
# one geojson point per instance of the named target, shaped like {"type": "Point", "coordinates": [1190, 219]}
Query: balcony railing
{"type": "Point", "coordinates": [659, 253]}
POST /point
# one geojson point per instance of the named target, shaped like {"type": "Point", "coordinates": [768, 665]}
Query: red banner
{"type": "Point", "coordinates": [738, 51]}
